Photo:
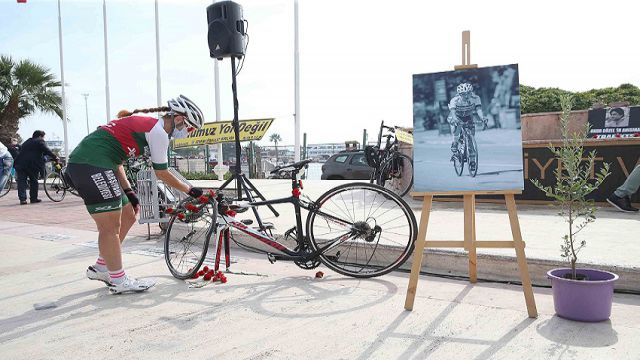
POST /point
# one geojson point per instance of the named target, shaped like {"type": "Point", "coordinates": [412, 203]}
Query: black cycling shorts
{"type": "Point", "coordinates": [98, 187]}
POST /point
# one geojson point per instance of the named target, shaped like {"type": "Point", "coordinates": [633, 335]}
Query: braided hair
{"type": "Point", "coordinates": [125, 113]}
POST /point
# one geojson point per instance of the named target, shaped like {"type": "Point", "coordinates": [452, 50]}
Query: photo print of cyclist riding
{"type": "Point", "coordinates": [467, 134]}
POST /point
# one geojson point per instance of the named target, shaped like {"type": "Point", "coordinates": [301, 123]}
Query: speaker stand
{"type": "Point", "coordinates": [242, 182]}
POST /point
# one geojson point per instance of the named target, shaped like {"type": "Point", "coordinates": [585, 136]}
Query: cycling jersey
{"type": "Point", "coordinates": [93, 163]}
{"type": "Point", "coordinates": [111, 144]}
{"type": "Point", "coordinates": [464, 108]}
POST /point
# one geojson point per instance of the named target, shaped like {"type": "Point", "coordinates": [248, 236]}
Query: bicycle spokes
{"type": "Point", "coordinates": [374, 237]}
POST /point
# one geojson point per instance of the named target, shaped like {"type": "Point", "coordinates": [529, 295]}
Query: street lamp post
{"type": "Point", "coordinates": [86, 110]}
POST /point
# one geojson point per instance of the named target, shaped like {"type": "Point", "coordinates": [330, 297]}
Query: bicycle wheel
{"type": "Point", "coordinates": [54, 187]}
{"type": "Point", "coordinates": [364, 230]}
{"type": "Point", "coordinates": [458, 160]}
{"type": "Point", "coordinates": [473, 159]}
{"type": "Point", "coordinates": [397, 174]}
{"type": "Point", "coordinates": [186, 242]}
{"type": "Point", "coordinates": [7, 186]}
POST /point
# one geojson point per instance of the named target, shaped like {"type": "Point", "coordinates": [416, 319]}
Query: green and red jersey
{"type": "Point", "coordinates": [112, 143]}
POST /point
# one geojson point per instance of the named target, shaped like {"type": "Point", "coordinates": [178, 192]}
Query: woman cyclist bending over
{"type": "Point", "coordinates": [96, 171]}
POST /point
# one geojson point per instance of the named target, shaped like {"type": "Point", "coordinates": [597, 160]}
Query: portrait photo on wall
{"type": "Point", "coordinates": [614, 122]}
{"type": "Point", "coordinates": [466, 128]}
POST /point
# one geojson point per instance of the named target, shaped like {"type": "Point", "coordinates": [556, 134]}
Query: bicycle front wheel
{"type": "Point", "coordinates": [54, 187]}
{"type": "Point", "coordinates": [473, 159]}
{"type": "Point", "coordinates": [186, 242]}
{"type": "Point", "coordinates": [397, 174]}
{"type": "Point", "coordinates": [7, 186]}
{"type": "Point", "coordinates": [363, 230]}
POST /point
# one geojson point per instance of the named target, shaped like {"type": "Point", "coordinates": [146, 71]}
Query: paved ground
{"type": "Point", "coordinates": [276, 311]}
{"type": "Point", "coordinates": [280, 311]}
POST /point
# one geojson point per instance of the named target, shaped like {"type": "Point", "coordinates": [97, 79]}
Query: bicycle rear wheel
{"type": "Point", "coordinates": [54, 187]}
{"type": "Point", "coordinates": [397, 174]}
{"type": "Point", "coordinates": [364, 230]}
{"type": "Point", "coordinates": [7, 186]}
{"type": "Point", "coordinates": [186, 242]}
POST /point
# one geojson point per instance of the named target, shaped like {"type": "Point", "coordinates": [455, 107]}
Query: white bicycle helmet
{"type": "Point", "coordinates": [191, 111]}
{"type": "Point", "coordinates": [464, 88]}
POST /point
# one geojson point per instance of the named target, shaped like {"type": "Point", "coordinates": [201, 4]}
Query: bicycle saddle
{"type": "Point", "coordinates": [295, 166]}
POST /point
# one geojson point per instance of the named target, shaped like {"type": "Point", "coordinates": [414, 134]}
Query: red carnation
{"type": "Point", "coordinates": [223, 280]}
{"type": "Point", "coordinates": [203, 199]}
{"type": "Point", "coordinates": [212, 193]}
{"type": "Point", "coordinates": [181, 216]}
{"type": "Point", "coordinates": [207, 277]}
{"type": "Point", "coordinates": [231, 213]}
{"type": "Point", "coordinates": [169, 211]}
{"type": "Point", "coordinates": [205, 268]}
{"type": "Point", "coordinates": [200, 273]}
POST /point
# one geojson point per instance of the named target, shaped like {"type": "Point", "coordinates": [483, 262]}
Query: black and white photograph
{"type": "Point", "coordinates": [467, 133]}
{"type": "Point", "coordinates": [617, 117]}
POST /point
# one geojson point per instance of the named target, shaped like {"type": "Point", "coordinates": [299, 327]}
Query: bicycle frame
{"type": "Point", "coordinates": [225, 221]}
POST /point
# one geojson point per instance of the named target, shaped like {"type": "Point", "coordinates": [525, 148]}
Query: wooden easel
{"type": "Point", "coordinates": [469, 243]}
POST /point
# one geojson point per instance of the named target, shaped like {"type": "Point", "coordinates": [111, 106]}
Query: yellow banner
{"type": "Point", "coordinates": [222, 131]}
{"type": "Point", "coordinates": [404, 136]}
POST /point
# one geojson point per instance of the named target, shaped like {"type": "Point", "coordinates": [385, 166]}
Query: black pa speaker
{"type": "Point", "coordinates": [226, 30]}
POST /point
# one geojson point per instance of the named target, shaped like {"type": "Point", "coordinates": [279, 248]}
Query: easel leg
{"type": "Point", "coordinates": [522, 260]}
{"type": "Point", "coordinates": [470, 235]}
{"type": "Point", "coordinates": [418, 252]}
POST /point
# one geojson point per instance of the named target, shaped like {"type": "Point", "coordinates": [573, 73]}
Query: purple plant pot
{"type": "Point", "coordinates": [583, 300]}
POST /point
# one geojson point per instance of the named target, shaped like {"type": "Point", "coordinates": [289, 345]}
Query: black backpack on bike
{"type": "Point", "coordinates": [372, 156]}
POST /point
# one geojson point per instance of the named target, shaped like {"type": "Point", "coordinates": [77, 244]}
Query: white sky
{"type": "Point", "coordinates": [356, 57]}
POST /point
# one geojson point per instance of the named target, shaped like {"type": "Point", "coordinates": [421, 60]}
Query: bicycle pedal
{"type": "Point", "coordinates": [247, 221]}
{"type": "Point", "coordinates": [272, 258]}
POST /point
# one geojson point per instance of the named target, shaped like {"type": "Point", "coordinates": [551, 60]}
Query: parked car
{"type": "Point", "coordinates": [346, 165]}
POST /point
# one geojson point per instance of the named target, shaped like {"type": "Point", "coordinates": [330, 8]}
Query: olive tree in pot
{"type": "Point", "coordinates": [578, 293]}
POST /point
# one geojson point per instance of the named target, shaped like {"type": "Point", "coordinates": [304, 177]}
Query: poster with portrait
{"type": "Point", "coordinates": [466, 130]}
{"type": "Point", "coordinates": [614, 122]}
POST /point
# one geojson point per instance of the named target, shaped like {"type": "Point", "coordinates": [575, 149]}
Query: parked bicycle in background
{"type": "Point", "coordinates": [393, 169]}
{"type": "Point", "coordinates": [57, 184]}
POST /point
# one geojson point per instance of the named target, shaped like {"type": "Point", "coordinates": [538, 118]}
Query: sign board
{"type": "Point", "coordinates": [404, 136]}
{"type": "Point", "coordinates": [222, 131]}
{"type": "Point", "coordinates": [614, 122]}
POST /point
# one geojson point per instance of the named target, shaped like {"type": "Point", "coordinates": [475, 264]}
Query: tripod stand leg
{"type": "Point", "coordinates": [229, 180]}
{"type": "Point", "coordinates": [251, 187]}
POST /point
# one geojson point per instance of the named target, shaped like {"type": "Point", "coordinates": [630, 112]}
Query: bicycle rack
{"type": "Point", "coordinates": [154, 195]}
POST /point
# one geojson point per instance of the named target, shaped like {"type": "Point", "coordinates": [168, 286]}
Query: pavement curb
{"type": "Point", "coordinates": [505, 268]}
{"type": "Point", "coordinates": [490, 267]}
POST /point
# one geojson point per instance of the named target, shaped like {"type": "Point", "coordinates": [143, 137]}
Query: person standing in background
{"type": "Point", "coordinates": [14, 148]}
{"type": "Point", "coordinates": [30, 164]}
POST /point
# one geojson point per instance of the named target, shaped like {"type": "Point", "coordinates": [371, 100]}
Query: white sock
{"type": "Point", "coordinates": [100, 265]}
{"type": "Point", "coordinates": [117, 277]}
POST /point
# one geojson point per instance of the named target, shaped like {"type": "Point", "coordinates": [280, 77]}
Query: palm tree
{"type": "Point", "coordinates": [275, 138]}
{"type": "Point", "coordinates": [25, 87]}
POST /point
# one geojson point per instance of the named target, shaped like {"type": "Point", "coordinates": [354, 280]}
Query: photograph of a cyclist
{"type": "Point", "coordinates": [467, 134]}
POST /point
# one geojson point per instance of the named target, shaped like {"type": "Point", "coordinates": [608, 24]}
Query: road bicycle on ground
{"type": "Point", "coordinates": [467, 151]}
{"type": "Point", "coordinates": [358, 229]}
{"type": "Point", "coordinates": [392, 169]}
{"type": "Point", "coordinates": [56, 183]}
